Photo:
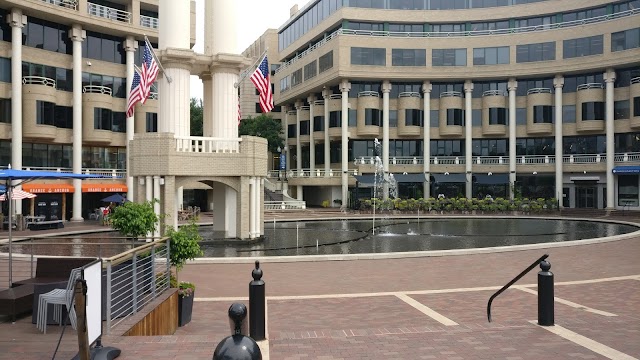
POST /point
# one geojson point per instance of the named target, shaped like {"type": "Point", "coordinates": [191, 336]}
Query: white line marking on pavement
{"type": "Point", "coordinates": [239, 298]}
{"type": "Point", "coordinates": [426, 310]}
{"type": "Point", "coordinates": [586, 342]}
{"type": "Point", "coordinates": [568, 303]}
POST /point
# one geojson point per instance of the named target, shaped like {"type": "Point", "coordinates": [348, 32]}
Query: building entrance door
{"type": "Point", "coordinates": [586, 197]}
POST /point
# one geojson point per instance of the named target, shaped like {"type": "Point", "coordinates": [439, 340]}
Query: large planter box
{"type": "Point", "coordinates": [185, 308]}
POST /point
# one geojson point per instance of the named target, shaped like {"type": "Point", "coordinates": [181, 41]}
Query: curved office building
{"type": "Point", "coordinates": [466, 97]}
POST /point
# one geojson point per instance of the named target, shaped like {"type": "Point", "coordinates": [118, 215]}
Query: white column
{"type": "Point", "coordinates": [386, 89]}
{"type": "Point", "coordinates": [17, 21]}
{"type": "Point", "coordinates": [426, 135]}
{"type": "Point", "coordinates": [558, 82]}
{"type": "Point", "coordinates": [312, 142]}
{"type": "Point", "coordinates": [176, 17]}
{"type": "Point", "coordinates": [77, 35]}
{"type": "Point", "coordinates": [224, 104]}
{"type": "Point", "coordinates": [220, 26]}
{"type": "Point", "coordinates": [513, 85]}
{"type": "Point", "coordinates": [252, 205]}
{"type": "Point", "coordinates": [130, 46]}
{"type": "Point", "coordinates": [327, 156]}
{"type": "Point", "coordinates": [298, 148]}
{"type": "Point", "coordinates": [345, 86]}
{"type": "Point", "coordinates": [156, 205]}
{"type": "Point", "coordinates": [468, 137]}
{"type": "Point", "coordinates": [174, 215]}
{"type": "Point", "coordinates": [609, 79]}
{"type": "Point", "coordinates": [286, 140]}
{"type": "Point", "coordinates": [148, 189]}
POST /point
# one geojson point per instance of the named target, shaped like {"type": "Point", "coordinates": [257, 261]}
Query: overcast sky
{"type": "Point", "coordinates": [254, 17]}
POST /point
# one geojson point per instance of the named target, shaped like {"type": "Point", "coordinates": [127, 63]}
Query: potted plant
{"type": "Point", "coordinates": [184, 245]}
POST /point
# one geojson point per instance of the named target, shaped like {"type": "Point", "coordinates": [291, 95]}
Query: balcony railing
{"type": "Point", "coordinates": [335, 96]}
{"type": "Point", "coordinates": [635, 80]}
{"type": "Point", "coordinates": [409, 94]}
{"type": "Point", "coordinates": [97, 89]}
{"type": "Point", "coordinates": [539, 91]}
{"type": "Point", "coordinates": [450, 94]}
{"type": "Point", "coordinates": [38, 80]}
{"type": "Point", "coordinates": [590, 86]}
{"type": "Point", "coordinates": [197, 144]}
{"type": "Point", "coordinates": [307, 173]}
{"type": "Point", "coordinates": [153, 95]}
{"type": "Point", "coordinates": [113, 173]}
{"type": "Point", "coordinates": [285, 205]}
{"type": "Point", "coordinates": [148, 21]}
{"type": "Point", "coordinates": [494, 93]}
{"type": "Point", "coordinates": [318, 102]}
{"type": "Point", "coordinates": [108, 13]}
{"type": "Point", "coordinates": [368, 93]}
{"type": "Point", "coordinates": [447, 160]}
{"type": "Point", "coordinates": [536, 28]}
{"type": "Point", "coordinates": [69, 4]}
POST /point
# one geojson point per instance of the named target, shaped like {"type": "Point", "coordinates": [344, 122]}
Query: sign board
{"type": "Point", "coordinates": [92, 274]}
{"type": "Point", "coordinates": [283, 162]}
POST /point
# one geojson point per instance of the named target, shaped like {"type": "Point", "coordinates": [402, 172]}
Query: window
{"type": "Point", "coordinates": [447, 28]}
{"type": "Point", "coordinates": [571, 82]}
{"type": "Point", "coordinates": [373, 117]}
{"type": "Point", "coordinates": [296, 78]}
{"type": "Point", "coordinates": [352, 118]}
{"type": "Point", "coordinates": [628, 190]}
{"type": "Point", "coordinates": [368, 56]}
{"type": "Point", "coordinates": [449, 57]}
{"type": "Point", "coordinates": [335, 118]}
{"type": "Point", "coordinates": [536, 52]}
{"type": "Point", "coordinates": [354, 25]}
{"type": "Point", "coordinates": [535, 146]}
{"type": "Point", "coordinates": [627, 142]}
{"type": "Point", "coordinates": [582, 47]}
{"type": "Point", "coordinates": [488, 26]}
{"type": "Point", "coordinates": [325, 61]}
{"type": "Point", "coordinates": [405, 148]}
{"type": "Point", "coordinates": [45, 113]}
{"type": "Point", "coordinates": [319, 149]}
{"type": "Point", "coordinates": [621, 110]}
{"type": "Point", "coordinates": [5, 70]}
{"type": "Point", "coordinates": [107, 48]}
{"type": "Point", "coordinates": [119, 122]}
{"type": "Point", "coordinates": [102, 119]}
{"type": "Point", "coordinates": [526, 85]}
{"type": "Point", "coordinates": [408, 57]}
{"type": "Point", "coordinates": [625, 40]}
{"type": "Point", "coordinates": [480, 87]}
{"type": "Point", "coordinates": [406, 4]}
{"type": "Point", "coordinates": [636, 106]}
{"type": "Point", "coordinates": [416, 28]}
{"type": "Point", "coordinates": [152, 122]}
{"type": "Point", "coordinates": [258, 109]}
{"type": "Point", "coordinates": [447, 147]}
{"type": "Point", "coordinates": [335, 152]}
{"type": "Point", "coordinates": [542, 22]}
{"type": "Point", "coordinates": [5, 111]}
{"type": "Point", "coordinates": [310, 70]}
{"type": "Point", "coordinates": [63, 117]}
{"type": "Point", "coordinates": [584, 14]}
{"type": "Point", "coordinates": [490, 147]}
{"type": "Point", "coordinates": [304, 127]}
{"type": "Point", "coordinates": [594, 144]}
{"type": "Point", "coordinates": [593, 110]}
{"type": "Point", "coordinates": [497, 116]}
{"type": "Point", "coordinates": [455, 117]}
{"type": "Point", "coordinates": [521, 116]}
{"type": "Point", "coordinates": [318, 123]}
{"type": "Point", "coordinates": [285, 83]}
{"type": "Point", "coordinates": [434, 120]}
{"type": "Point", "coordinates": [413, 117]}
{"type": "Point", "coordinates": [543, 114]}
{"type": "Point", "coordinates": [491, 55]}
{"type": "Point", "coordinates": [568, 114]}
{"type": "Point", "coordinates": [393, 118]}
{"type": "Point", "coordinates": [291, 131]}
{"type": "Point", "coordinates": [476, 117]}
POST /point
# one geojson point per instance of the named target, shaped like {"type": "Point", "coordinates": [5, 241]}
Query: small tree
{"type": "Point", "coordinates": [184, 245]}
{"type": "Point", "coordinates": [134, 219]}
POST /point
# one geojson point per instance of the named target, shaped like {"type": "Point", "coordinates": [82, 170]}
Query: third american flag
{"type": "Point", "coordinates": [261, 79]}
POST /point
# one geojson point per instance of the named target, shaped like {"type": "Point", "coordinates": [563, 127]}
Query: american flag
{"type": "Point", "coordinates": [149, 71]}
{"type": "Point", "coordinates": [261, 79]}
{"type": "Point", "coordinates": [239, 112]}
{"type": "Point", "coordinates": [136, 95]}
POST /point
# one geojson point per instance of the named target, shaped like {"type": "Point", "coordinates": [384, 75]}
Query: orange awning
{"type": "Point", "coordinates": [68, 188]}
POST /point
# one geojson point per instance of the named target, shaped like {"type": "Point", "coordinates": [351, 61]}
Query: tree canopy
{"type": "Point", "coordinates": [263, 126]}
{"type": "Point", "coordinates": [196, 117]}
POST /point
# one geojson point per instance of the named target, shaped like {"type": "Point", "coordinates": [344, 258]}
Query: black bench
{"type": "Point", "coordinates": [16, 300]}
{"type": "Point", "coordinates": [44, 225]}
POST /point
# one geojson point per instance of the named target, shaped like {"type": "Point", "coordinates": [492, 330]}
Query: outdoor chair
{"type": "Point", "coordinates": [61, 299]}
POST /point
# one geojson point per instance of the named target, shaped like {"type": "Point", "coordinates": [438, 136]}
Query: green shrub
{"type": "Point", "coordinates": [134, 219]}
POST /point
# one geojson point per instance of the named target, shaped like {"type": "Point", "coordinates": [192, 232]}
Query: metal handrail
{"type": "Point", "coordinates": [494, 93]}
{"type": "Point", "coordinates": [70, 4]}
{"type": "Point", "coordinates": [335, 96]}
{"type": "Point", "coordinates": [450, 94]}
{"type": "Point", "coordinates": [318, 102]}
{"type": "Point", "coordinates": [539, 91]}
{"type": "Point", "coordinates": [305, 107]}
{"type": "Point", "coordinates": [368, 93]}
{"type": "Point", "coordinates": [97, 89]}
{"type": "Point", "coordinates": [535, 263]}
{"type": "Point", "coordinates": [635, 80]}
{"type": "Point", "coordinates": [148, 21]}
{"type": "Point", "coordinates": [153, 95]}
{"type": "Point", "coordinates": [590, 86]}
{"type": "Point", "coordinates": [124, 256]}
{"type": "Point", "coordinates": [38, 80]}
{"type": "Point", "coordinates": [409, 94]}
{"type": "Point", "coordinates": [108, 12]}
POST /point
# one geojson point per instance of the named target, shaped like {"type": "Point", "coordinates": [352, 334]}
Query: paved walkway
{"type": "Point", "coordinates": [414, 308]}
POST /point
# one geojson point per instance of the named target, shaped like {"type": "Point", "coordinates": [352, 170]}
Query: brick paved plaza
{"type": "Point", "coordinates": [431, 307]}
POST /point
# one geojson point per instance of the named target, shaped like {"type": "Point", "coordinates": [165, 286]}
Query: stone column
{"type": "Point", "coordinates": [558, 83]}
{"type": "Point", "coordinates": [130, 46]}
{"type": "Point", "coordinates": [327, 157]}
{"type": "Point", "coordinates": [426, 135]}
{"type": "Point", "coordinates": [609, 79]}
{"type": "Point", "coordinates": [312, 142]}
{"type": "Point", "coordinates": [386, 89]}
{"type": "Point", "coordinates": [345, 86]}
{"type": "Point", "coordinates": [17, 21]}
{"type": "Point", "coordinates": [298, 106]}
{"type": "Point", "coordinates": [468, 137]}
{"type": "Point", "coordinates": [286, 147]}
{"type": "Point", "coordinates": [77, 35]}
{"type": "Point", "coordinates": [513, 85]}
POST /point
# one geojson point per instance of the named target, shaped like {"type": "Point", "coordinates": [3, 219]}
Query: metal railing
{"type": "Point", "coordinates": [535, 28]}
{"type": "Point", "coordinates": [450, 94]}
{"type": "Point", "coordinates": [97, 89]}
{"type": "Point", "coordinates": [515, 279]}
{"type": "Point", "coordinates": [583, 159]}
{"type": "Point", "coordinates": [590, 86]}
{"type": "Point", "coordinates": [305, 107]}
{"type": "Point", "coordinates": [197, 144]}
{"type": "Point", "coordinates": [148, 21]}
{"type": "Point", "coordinates": [318, 102]}
{"type": "Point", "coordinates": [153, 95]}
{"type": "Point", "coordinates": [492, 160]}
{"type": "Point", "coordinates": [494, 93]}
{"type": "Point", "coordinates": [114, 173]}
{"type": "Point", "coordinates": [534, 159]}
{"type": "Point", "coordinates": [635, 80]}
{"type": "Point", "coordinates": [335, 96]}
{"type": "Point", "coordinates": [448, 160]}
{"type": "Point", "coordinates": [409, 94]}
{"type": "Point", "coordinates": [38, 80]}
{"type": "Point", "coordinates": [69, 4]}
{"type": "Point", "coordinates": [368, 93]}
{"type": "Point", "coordinates": [307, 173]}
{"type": "Point", "coordinates": [285, 205]}
{"type": "Point", "coordinates": [134, 278]}
{"type": "Point", "coordinates": [627, 157]}
{"type": "Point", "coordinates": [539, 91]}
{"type": "Point", "coordinates": [108, 12]}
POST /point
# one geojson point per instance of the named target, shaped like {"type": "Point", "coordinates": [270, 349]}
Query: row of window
{"type": "Point", "coordinates": [497, 116]}
{"type": "Point", "coordinates": [544, 146]}
{"type": "Point", "coordinates": [58, 155]}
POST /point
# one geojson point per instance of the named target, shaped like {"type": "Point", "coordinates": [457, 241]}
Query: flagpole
{"type": "Point", "coordinates": [244, 74]}
{"type": "Point", "coordinates": [153, 53]}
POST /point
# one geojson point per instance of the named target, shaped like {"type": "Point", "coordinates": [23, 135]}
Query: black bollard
{"type": "Point", "coordinates": [237, 346]}
{"type": "Point", "coordinates": [256, 305]}
{"type": "Point", "coordinates": [545, 295]}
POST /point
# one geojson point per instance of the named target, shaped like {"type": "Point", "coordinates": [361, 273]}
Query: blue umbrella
{"type": "Point", "coordinates": [10, 175]}
{"type": "Point", "coordinates": [115, 198]}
